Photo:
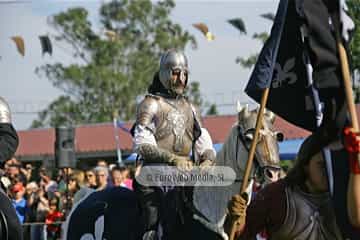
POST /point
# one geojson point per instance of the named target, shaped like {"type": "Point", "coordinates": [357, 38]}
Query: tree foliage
{"type": "Point", "coordinates": [194, 94]}
{"type": "Point", "coordinates": [248, 62]}
{"type": "Point", "coordinates": [212, 110]}
{"type": "Point", "coordinates": [110, 72]}
{"type": "Point", "coordinates": [354, 12]}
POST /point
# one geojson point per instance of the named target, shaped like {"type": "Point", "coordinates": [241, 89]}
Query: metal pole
{"type": "Point", "coordinates": [117, 140]}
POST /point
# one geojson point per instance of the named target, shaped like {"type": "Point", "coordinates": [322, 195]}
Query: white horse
{"type": "Point", "coordinates": [210, 202]}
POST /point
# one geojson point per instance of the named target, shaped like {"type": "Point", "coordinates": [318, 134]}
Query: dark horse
{"type": "Point", "coordinates": [115, 214]}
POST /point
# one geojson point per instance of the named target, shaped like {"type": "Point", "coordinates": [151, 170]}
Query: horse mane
{"type": "Point", "coordinates": [227, 154]}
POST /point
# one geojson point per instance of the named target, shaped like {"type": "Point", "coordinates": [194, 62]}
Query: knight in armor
{"type": "Point", "coordinates": [296, 207]}
{"type": "Point", "coordinates": [166, 130]}
{"type": "Point", "coordinates": [10, 227]}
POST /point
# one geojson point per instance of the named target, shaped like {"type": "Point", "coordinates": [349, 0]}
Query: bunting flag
{"type": "Point", "coordinates": [269, 16]}
{"type": "Point", "coordinates": [239, 24]}
{"type": "Point", "coordinates": [205, 30]}
{"type": "Point", "coordinates": [20, 45]}
{"type": "Point", "coordinates": [45, 44]}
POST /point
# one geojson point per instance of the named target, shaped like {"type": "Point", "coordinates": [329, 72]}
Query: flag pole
{"type": "Point", "coordinates": [251, 155]}
{"type": "Point", "coordinates": [345, 70]}
{"type": "Point", "coordinates": [346, 75]}
{"type": "Point", "coordinates": [347, 82]}
{"type": "Point", "coordinates": [117, 140]}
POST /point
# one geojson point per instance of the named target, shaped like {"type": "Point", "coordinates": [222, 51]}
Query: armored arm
{"type": "Point", "coordinates": [8, 136]}
{"type": "Point", "coordinates": [154, 154]}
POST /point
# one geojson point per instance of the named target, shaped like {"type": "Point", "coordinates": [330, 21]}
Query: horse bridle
{"type": "Point", "coordinates": [258, 167]}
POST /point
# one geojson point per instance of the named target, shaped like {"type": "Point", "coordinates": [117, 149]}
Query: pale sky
{"type": "Point", "coordinates": [212, 63]}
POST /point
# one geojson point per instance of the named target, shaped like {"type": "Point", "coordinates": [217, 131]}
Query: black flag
{"type": "Point", "coordinates": [282, 67]}
{"type": "Point", "coordinates": [300, 65]}
{"type": "Point", "coordinates": [45, 44]}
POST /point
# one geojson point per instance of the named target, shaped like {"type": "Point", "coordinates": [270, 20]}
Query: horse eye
{"type": "Point", "coordinates": [249, 137]}
{"type": "Point", "coordinates": [279, 136]}
{"type": "Point", "coordinates": [249, 134]}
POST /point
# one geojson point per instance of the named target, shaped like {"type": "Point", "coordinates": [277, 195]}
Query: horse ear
{"type": "Point", "coordinates": [243, 111]}
{"type": "Point", "coordinates": [239, 108]}
{"type": "Point", "coordinates": [270, 115]}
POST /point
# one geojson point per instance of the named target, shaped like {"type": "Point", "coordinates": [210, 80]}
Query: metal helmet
{"type": "Point", "coordinates": [5, 114]}
{"type": "Point", "coordinates": [173, 60]}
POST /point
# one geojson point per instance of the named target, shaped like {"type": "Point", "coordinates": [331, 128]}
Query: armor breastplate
{"type": "Point", "coordinates": [308, 216]}
{"type": "Point", "coordinates": [174, 123]}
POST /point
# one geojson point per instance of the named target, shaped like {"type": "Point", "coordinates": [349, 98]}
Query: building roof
{"type": "Point", "coordinates": [101, 137]}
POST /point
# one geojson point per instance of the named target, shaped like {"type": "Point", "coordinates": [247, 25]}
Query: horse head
{"type": "Point", "coordinates": [267, 160]}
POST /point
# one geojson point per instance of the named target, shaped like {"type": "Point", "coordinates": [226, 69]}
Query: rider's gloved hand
{"type": "Point", "coordinates": [183, 163]}
{"type": "Point", "coordinates": [237, 212]}
{"type": "Point", "coordinates": [206, 165]}
{"type": "Point", "coordinates": [352, 145]}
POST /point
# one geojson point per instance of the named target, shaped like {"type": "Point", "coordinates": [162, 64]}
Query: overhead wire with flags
{"type": "Point", "coordinates": [45, 43]}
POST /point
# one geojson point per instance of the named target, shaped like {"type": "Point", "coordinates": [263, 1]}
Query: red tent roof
{"type": "Point", "coordinates": [100, 137]}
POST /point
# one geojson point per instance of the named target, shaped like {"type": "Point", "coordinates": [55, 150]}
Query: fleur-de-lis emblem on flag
{"type": "Point", "coordinates": [284, 75]}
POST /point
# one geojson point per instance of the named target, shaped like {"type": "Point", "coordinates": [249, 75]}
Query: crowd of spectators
{"type": "Point", "coordinates": [43, 197]}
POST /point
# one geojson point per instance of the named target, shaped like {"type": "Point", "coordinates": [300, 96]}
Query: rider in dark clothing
{"type": "Point", "coordinates": [10, 227]}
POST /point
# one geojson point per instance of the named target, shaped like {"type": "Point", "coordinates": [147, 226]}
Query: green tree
{"type": "Point", "coordinates": [354, 12]}
{"type": "Point", "coordinates": [212, 110]}
{"type": "Point", "coordinates": [112, 71]}
{"type": "Point", "coordinates": [194, 94]}
{"type": "Point", "coordinates": [248, 62]}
